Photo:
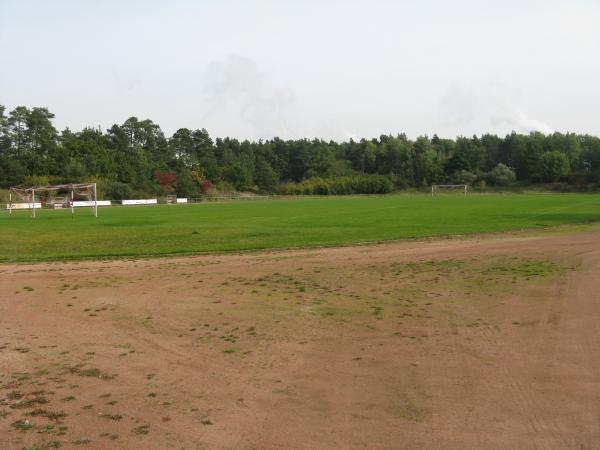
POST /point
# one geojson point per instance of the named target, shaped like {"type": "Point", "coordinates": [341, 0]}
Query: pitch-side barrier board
{"type": "Point", "coordinates": [23, 205]}
{"type": "Point", "coordinates": [149, 201]}
{"type": "Point", "coordinates": [77, 204]}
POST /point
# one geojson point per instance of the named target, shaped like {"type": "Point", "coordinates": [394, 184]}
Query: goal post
{"type": "Point", "coordinates": [437, 188]}
{"type": "Point", "coordinates": [27, 195]}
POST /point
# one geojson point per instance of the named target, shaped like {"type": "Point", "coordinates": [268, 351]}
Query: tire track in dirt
{"type": "Point", "coordinates": [539, 425]}
{"type": "Point", "coordinates": [544, 428]}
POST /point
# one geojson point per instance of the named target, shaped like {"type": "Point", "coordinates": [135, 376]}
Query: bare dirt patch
{"type": "Point", "coordinates": [470, 343]}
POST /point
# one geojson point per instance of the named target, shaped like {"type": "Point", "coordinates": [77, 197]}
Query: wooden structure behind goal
{"type": "Point", "coordinates": [435, 188]}
{"type": "Point", "coordinates": [27, 194]}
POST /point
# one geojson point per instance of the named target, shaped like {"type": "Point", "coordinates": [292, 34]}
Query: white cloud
{"type": "Point", "coordinates": [488, 107]}
{"type": "Point", "coordinates": [236, 85]}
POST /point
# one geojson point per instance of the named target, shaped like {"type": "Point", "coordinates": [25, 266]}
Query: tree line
{"type": "Point", "coordinates": [136, 158]}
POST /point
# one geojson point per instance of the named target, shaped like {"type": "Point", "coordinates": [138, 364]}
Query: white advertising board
{"type": "Point", "coordinates": [23, 205]}
{"type": "Point", "coordinates": [150, 201]}
{"type": "Point", "coordinates": [91, 203]}
{"type": "Point", "coordinates": [182, 200]}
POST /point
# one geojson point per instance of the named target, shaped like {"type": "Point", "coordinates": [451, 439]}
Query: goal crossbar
{"type": "Point", "coordinates": [27, 194]}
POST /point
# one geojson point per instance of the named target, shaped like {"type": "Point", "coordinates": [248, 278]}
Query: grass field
{"type": "Point", "coordinates": [217, 227]}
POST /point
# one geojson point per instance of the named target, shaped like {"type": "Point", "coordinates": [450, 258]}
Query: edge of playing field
{"type": "Point", "coordinates": [518, 232]}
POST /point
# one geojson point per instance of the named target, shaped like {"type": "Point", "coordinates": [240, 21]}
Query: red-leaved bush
{"type": "Point", "coordinates": [165, 179]}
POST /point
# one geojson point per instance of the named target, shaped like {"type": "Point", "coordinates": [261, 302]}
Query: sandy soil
{"type": "Point", "coordinates": [465, 343]}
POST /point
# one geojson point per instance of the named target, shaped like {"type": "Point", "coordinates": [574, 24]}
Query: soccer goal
{"type": "Point", "coordinates": [449, 188]}
{"type": "Point", "coordinates": [53, 196]}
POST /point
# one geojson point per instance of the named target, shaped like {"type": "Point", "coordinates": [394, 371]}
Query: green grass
{"type": "Point", "coordinates": [221, 227]}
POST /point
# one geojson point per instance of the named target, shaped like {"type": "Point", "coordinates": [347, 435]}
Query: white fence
{"type": "Point", "coordinates": [77, 204]}
{"type": "Point", "coordinates": [235, 197]}
{"type": "Point", "coordinates": [149, 201]}
{"type": "Point", "coordinates": [23, 205]}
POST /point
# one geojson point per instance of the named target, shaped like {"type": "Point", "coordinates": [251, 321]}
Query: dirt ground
{"type": "Point", "coordinates": [486, 342]}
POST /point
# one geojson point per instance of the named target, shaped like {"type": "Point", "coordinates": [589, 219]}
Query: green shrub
{"type": "Point", "coordinates": [115, 190]}
{"type": "Point", "coordinates": [554, 166]}
{"type": "Point", "coordinates": [346, 185]}
{"type": "Point", "coordinates": [501, 175]}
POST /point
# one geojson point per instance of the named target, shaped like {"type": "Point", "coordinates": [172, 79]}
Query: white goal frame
{"type": "Point", "coordinates": [27, 194]}
{"type": "Point", "coordinates": [435, 187]}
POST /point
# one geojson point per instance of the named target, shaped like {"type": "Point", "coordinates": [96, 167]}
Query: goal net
{"type": "Point", "coordinates": [52, 196]}
{"type": "Point", "coordinates": [449, 189]}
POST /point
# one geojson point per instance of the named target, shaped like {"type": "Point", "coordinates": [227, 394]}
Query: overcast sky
{"type": "Point", "coordinates": [328, 68]}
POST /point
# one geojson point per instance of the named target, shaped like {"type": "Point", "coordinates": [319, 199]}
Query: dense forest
{"type": "Point", "coordinates": [137, 159]}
